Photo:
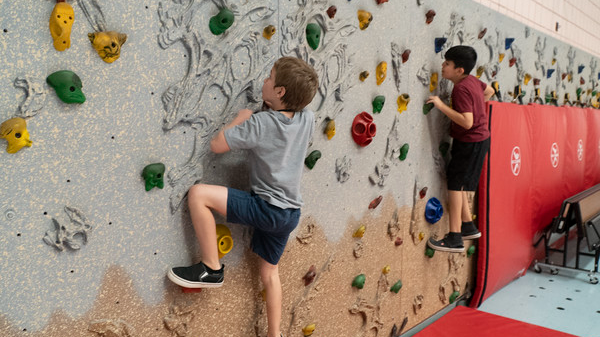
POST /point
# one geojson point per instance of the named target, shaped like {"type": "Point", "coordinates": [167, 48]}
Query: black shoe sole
{"type": "Point", "coordinates": [189, 284]}
{"type": "Point", "coordinates": [472, 236]}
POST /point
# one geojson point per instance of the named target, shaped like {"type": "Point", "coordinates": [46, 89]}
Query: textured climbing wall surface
{"type": "Point", "coordinates": [84, 248]}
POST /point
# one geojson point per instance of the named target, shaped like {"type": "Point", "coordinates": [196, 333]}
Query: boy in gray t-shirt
{"type": "Point", "coordinates": [277, 140]}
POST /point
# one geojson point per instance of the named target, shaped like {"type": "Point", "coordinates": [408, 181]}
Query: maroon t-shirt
{"type": "Point", "coordinates": [467, 96]}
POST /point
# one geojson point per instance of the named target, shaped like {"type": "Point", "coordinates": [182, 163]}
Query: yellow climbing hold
{"type": "Point", "coordinates": [421, 236]}
{"type": "Point", "coordinates": [386, 269]}
{"type": "Point", "coordinates": [527, 78]}
{"type": "Point", "coordinates": [268, 32]}
{"type": "Point", "coordinates": [224, 240]}
{"type": "Point", "coordinates": [61, 21]}
{"type": "Point", "coordinates": [330, 129]}
{"type": "Point", "coordinates": [364, 19]}
{"type": "Point", "coordinates": [480, 71]}
{"type": "Point", "coordinates": [500, 57]}
{"type": "Point", "coordinates": [381, 72]}
{"type": "Point", "coordinates": [360, 232]}
{"type": "Point", "coordinates": [309, 329]}
{"type": "Point", "coordinates": [403, 101]}
{"type": "Point", "coordinates": [433, 82]}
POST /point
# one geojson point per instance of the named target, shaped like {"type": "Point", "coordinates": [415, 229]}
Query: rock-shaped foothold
{"type": "Point", "coordinates": [375, 202]}
{"type": "Point", "coordinates": [386, 269]}
{"type": "Point", "coordinates": [381, 72]}
{"type": "Point", "coordinates": [403, 101]}
{"type": "Point", "coordinates": [330, 129]}
{"type": "Point", "coordinates": [427, 108]}
{"type": "Point", "coordinates": [378, 103]}
{"type": "Point", "coordinates": [563, 76]}
{"type": "Point", "coordinates": [405, 55]}
{"type": "Point", "coordinates": [501, 57]}
{"type": "Point", "coordinates": [508, 42]}
{"type": "Point", "coordinates": [404, 151]}
{"type": "Point", "coordinates": [359, 281]}
{"type": "Point", "coordinates": [364, 19]}
{"type": "Point", "coordinates": [268, 32]}
{"type": "Point", "coordinates": [398, 241]}
{"type": "Point", "coordinates": [433, 82]}
{"type": "Point", "coordinates": [429, 16]}
{"type": "Point", "coordinates": [512, 61]}
{"type": "Point", "coordinates": [15, 132]}
{"type": "Point", "coordinates": [331, 11]}
{"type": "Point", "coordinates": [527, 78]}
{"type": "Point", "coordinates": [153, 175]}
{"type": "Point", "coordinates": [454, 296]}
{"type": "Point", "coordinates": [310, 275]}
{"type": "Point", "coordinates": [423, 192]}
{"type": "Point", "coordinates": [433, 210]}
{"type": "Point", "coordinates": [581, 81]}
{"type": "Point", "coordinates": [396, 287]}
{"type": "Point", "coordinates": [482, 33]}
{"type": "Point", "coordinates": [363, 76]}
{"type": "Point", "coordinates": [363, 129]}
{"type": "Point", "coordinates": [536, 81]}
{"type": "Point", "coordinates": [67, 86]}
{"type": "Point", "coordinates": [360, 232]}
{"type": "Point", "coordinates": [312, 158]}
{"type": "Point", "coordinates": [549, 73]}
{"type": "Point", "coordinates": [470, 251]}
{"type": "Point", "coordinates": [580, 68]}
{"type": "Point", "coordinates": [480, 71]}
{"type": "Point", "coordinates": [313, 35]}
{"type": "Point", "coordinates": [429, 252]}
{"type": "Point", "coordinates": [309, 329]}
{"type": "Point", "coordinates": [219, 23]}
{"type": "Point", "coordinates": [439, 43]}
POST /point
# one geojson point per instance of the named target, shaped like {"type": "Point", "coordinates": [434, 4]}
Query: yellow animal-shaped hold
{"type": "Point", "coordinates": [527, 78]}
{"type": "Point", "coordinates": [364, 19]}
{"type": "Point", "coordinates": [330, 129]}
{"type": "Point", "coordinates": [500, 57]}
{"type": "Point", "coordinates": [61, 21]}
{"type": "Point", "coordinates": [14, 130]}
{"type": "Point", "coordinates": [308, 330]}
{"type": "Point", "coordinates": [224, 240]}
{"type": "Point", "coordinates": [108, 44]}
{"type": "Point", "coordinates": [386, 269]}
{"type": "Point", "coordinates": [360, 232]}
{"type": "Point", "coordinates": [403, 101]}
{"type": "Point", "coordinates": [268, 32]}
{"type": "Point", "coordinates": [433, 82]}
{"type": "Point", "coordinates": [381, 72]}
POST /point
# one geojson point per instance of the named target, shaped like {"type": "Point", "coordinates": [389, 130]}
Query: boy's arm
{"type": "Point", "coordinates": [464, 119]}
{"type": "Point", "coordinates": [487, 93]}
{"type": "Point", "coordinates": [218, 143]}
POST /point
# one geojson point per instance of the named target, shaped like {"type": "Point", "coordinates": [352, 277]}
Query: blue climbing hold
{"type": "Point", "coordinates": [433, 210]}
{"type": "Point", "coordinates": [508, 42]}
{"type": "Point", "coordinates": [549, 73]}
{"type": "Point", "coordinates": [580, 69]}
{"type": "Point", "coordinates": [598, 76]}
{"type": "Point", "coordinates": [439, 43]}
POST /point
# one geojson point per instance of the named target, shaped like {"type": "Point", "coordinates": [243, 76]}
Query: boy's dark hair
{"type": "Point", "coordinates": [299, 80]}
{"type": "Point", "coordinates": [463, 57]}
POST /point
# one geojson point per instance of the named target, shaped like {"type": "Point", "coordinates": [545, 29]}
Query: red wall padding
{"type": "Point", "coordinates": [539, 156]}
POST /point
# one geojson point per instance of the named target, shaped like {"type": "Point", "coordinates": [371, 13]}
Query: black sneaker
{"type": "Point", "coordinates": [469, 231]}
{"type": "Point", "coordinates": [446, 245]}
{"type": "Point", "coordinates": [196, 276]}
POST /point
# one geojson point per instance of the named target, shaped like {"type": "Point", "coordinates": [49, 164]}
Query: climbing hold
{"type": "Point", "coordinates": [386, 270]}
{"type": "Point", "coordinates": [599, 76]}
{"type": "Point", "coordinates": [423, 192]}
{"type": "Point", "coordinates": [313, 35]}
{"type": "Point", "coordinates": [381, 72]}
{"type": "Point", "coordinates": [433, 82]}
{"type": "Point", "coordinates": [379, 2]}
{"type": "Point", "coordinates": [61, 22]}
{"type": "Point", "coordinates": [312, 158]}
{"type": "Point", "coordinates": [563, 76]}
{"type": "Point", "coordinates": [363, 76]}
{"type": "Point", "coordinates": [309, 329]}
{"type": "Point", "coordinates": [403, 101]}
{"type": "Point", "coordinates": [310, 275]}
{"type": "Point", "coordinates": [553, 61]}
{"type": "Point", "coordinates": [549, 73]}
{"type": "Point", "coordinates": [429, 16]}
{"type": "Point", "coordinates": [378, 103]}
{"type": "Point", "coordinates": [454, 296]}
{"type": "Point", "coordinates": [67, 86]}
{"type": "Point", "coordinates": [567, 100]}
{"type": "Point", "coordinates": [444, 147]}
{"type": "Point", "coordinates": [108, 44]}
{"type": "Point", "coordinates": [427, 107]}
{"type": "Point", "coordinates": [581, 81]}
{"type": "Point", "coordinates": [433, 210]}
{"type": "Point", "coordinates": [153, 175]}
{"type": "Point", "coordinates": [404, 151]}
{"type": "Point", "coordinates": [480, 71]}
{"type": "Point", "coordinates": [398, 241]}
{"type": "Point", "coordinates": [512, 61]}
{"type": "Point", "coordinates": [518, 94]}
{"type": "Point", "coordinates": [331, 11]}
{"type": "Point", "coordinates": [501, 57]}
{"type": "Point", "coordinates": [496, 87]}
{"type": "Point", "coordinates": [360, 232]}
{"type": "Point", "coordinates": [224, 240]}
{"type": "Point", "coordinates": [268, 32]}
{"type": "Point", "coordinates": [470, 251]}
{"type": "Point", "coordinates": [363, 129]}
{"type": "Point", "coordinates": [580, 68]}
{"type": "Point", "coordinates": [364, 19]}
{"type": "Point", "coordinates": [439, 43]}
{"type": "Point", "coordinates": [219, 23]}
{"type": "Point", "coordinates": [405, 55]}
{"type": "Point", "coordinates": [536, 81]}
{"type": "Point", "coordinates": [375, 202]}
{"type": "Point", "coordinates": [359, 281]}
{"type": "Point", "coordinates": [570, 77]}
{"type": "Point", "coordinates": [527, 78]}
{"type": "Point", "coordinates": [482, 33]}
{"type": "Point", "coordinates": [508, 42]}
{"type": "Point", "coordinates": [396, 287]}
{"type": "Point", "coordinates": [15, 132]}
{"type": "Point", "coordinates": [421, 236]}
{"type": "Point", "coordinates": [429, 252]}
{"type": "Point", "coordinates": [330, 129]}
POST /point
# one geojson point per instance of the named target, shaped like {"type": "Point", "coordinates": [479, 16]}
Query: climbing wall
{"type": "Point", "coordinates": [85, 240]}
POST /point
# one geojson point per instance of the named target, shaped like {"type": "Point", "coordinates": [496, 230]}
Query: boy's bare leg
{"type": "Point", "coordinates": [455, 199]}
{"type": "Point", "coordinates": [269, 275]}
{"type": "Point", "coordinates": [201, 199]}
{"type": "Point", "coordinates": [466, 210]}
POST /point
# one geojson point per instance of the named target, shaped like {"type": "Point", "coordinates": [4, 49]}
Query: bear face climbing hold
{"type": "Point", "coordinates": [310, 275]}
{"type": "Point", "coordinates": [359, 281]}
{"type": "Point", "coordinates": [381, 72]}
{"type": "Point", "coordinates": [508, 42]}
{"type": "Point", "coordinates": [224, 240]}
{"type": "Point", "coordinates": [480, 71]}
{"type": "Point", "coordinates": [433, 210]}
{"type": "Point", "coordinates": [364, 19]}
{"type": "Point", "coordinates": [268, 32]}
{"type": "Point", "coordinates": [429, 252]}
{"type": "Point", "coordinates": [375, 202]}
{"type": "Point", "coordinates": [423, 192]}
{"type": "Point", "coordinates": [386, 270]}
{"type": "Point", "coordinates": [309, 329]}
{"type": "Point", "coordinates": [360, 232]}
{"type": "Point", "coordinates": [378, 103]}
{"type": "Point", "coordinates": [153, 175]}
{"type": "Point", "coordinates": [61, 22]}
{"type": "Point", "coordinates": [427, 107]}
{"type": "Point", "coordinates": [331, 11]}
{"type": "Point", "coordinates": [404, 151]}
{"type": "Point", "coordinates": [396, 287]}
{"type": "Point", "coordinates": [482, 33]}
{"type": "Point", "coordinates": [330, 129]}
{"type": "Point", "coordinates": [433, 82]}
{"type": "Point", "coordinates": [527, 78]}
{"type": "Point", "coordinates": [363, 129]}
{"type": "Point", "coordinates": [429, 16]}
{"type": "Point", "coordinates": [313, 35]}
{"type": "Point", "coordinates": [312, 158]}
{"type": "Point", "coordinates": [219, 23]}
{"type": "Point", "coordinates": [15, 132]}
{"type": "Point", "coordinates": [403, 101]}
{"type": "Point", "coordinates": [363, 76]}
{"type": "Point", "coordinates": [108, 44]}
{"type": "Point", "coordinates": [439, 43]}
{"type": "Point", "coordinates": [67, 86]}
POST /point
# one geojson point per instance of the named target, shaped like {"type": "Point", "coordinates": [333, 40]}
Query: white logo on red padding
{"type": "Point", "coordinates": [580, 150]}
{"type": "Point", "coordinates": [554, 155]}
{"type": "Point", "coordinates": [515, 161]}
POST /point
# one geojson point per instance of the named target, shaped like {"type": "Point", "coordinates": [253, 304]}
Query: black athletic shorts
{"type": "Point", "coordinates": [465, 166]}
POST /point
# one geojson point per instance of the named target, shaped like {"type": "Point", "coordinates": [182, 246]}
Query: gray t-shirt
{"type": "Point", "coordinates": [278, 146]}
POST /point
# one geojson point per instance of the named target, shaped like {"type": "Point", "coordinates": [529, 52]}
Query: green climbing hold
{"type": "Point", "coordinates": [359, 281]}
{"type": "Point", "coordinates": [313, 35]}
{"type": "Point", "coordinates": [444, 147]}
{"type": "Point", "coordinates": [470, 251]}
{"type": "Point", "coordinates": [396, 287]}
{"type": "Point", "coordinates": [378, 103]}
{"type": "Point", "coordinates": [153, 174]}
{"type": "Point", "coordinates": [312, 158]}
{"type": "Point", "coordinates": [427, 107]}
{"type": "Point", "coordinates": [67, 86]}
{"type": "Point", "coordinates": [429, 252]}
{"type": "Point", "coordinates": [404, 151]}
{"type": "Point", "coordinates": [219, 23]}
{"type": "Point", "coordinates": [454, 296]}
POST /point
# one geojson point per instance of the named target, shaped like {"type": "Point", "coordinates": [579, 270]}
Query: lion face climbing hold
{"type": "Point", "coordinates": [219, 23]}
{"type": "Point", "coordinates": [363, 129]}
{"type": "Point", "coordinates": [313, 35]}
{"type": "Point", "coordinates": [61, 22]}
{"type": "Point", "coordinates": [67, 86]}
{"type": "Point", "coordinates": [153, 175]}
{"type": "Point", "coordinates": [108, 44]}
{"type": "Point", "coordinates": [14, 130]}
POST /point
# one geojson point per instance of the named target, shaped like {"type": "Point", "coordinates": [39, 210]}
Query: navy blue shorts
{"type": "Point", "coordinates": [272, 225]}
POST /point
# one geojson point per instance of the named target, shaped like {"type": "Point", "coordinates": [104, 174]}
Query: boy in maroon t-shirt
{"type": "Point", "coordinates": [471, 143]}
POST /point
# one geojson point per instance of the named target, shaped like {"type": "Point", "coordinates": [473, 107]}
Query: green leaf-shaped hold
{"type": "Point", "coordinates": [67, 86]}
{"type": "Point", "coordinates": [396, 287]}
{"type": "Point", "coordinates": [404, 151]}
{"type": "Point", "coordinates": [359, 281]}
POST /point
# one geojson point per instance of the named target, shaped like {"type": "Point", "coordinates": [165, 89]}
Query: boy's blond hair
{"type": "Point", "coordinates": [299, 80]}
